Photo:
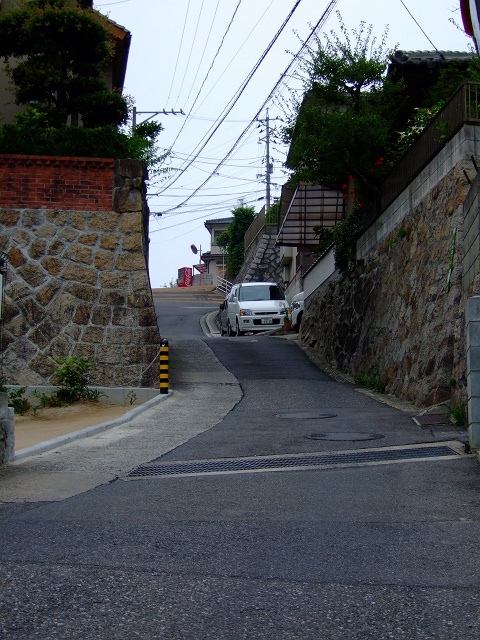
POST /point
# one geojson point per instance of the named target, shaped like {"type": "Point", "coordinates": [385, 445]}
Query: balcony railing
{"type": "Point", "coordinates": [256, 226]}
{"type": "Point", "coordinates": [463, 108]}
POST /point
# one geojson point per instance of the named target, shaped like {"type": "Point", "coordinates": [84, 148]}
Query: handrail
{"type": "Point", "coordinates": [223, 285]}
{"type": "Point", "coordinates": [254, 229]}
{"type": "Point", "coordinates": [462, 108]}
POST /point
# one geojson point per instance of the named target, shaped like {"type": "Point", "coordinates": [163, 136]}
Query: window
{"type": "Point", "coordinates": [261, 292]}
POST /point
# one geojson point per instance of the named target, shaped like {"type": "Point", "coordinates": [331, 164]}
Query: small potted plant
{"type": "Point", "coordinates": [287, 319]}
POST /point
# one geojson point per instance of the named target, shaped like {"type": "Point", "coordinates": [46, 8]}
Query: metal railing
{"type": "Point", "coordinates": [223, 285]}
{"type": "Point", "coordinates": [463, 108]}
{"type": "Point", "coordinates": [255, 228]}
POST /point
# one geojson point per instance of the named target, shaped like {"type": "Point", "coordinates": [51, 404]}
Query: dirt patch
{"type": "Point", "coordinates": [53, 422]}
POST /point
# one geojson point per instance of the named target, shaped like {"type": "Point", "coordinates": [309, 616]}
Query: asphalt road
{"type": "Point", "coordinates": [366, 550]}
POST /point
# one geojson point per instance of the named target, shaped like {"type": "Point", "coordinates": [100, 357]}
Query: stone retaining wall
{"type": "Point", "coordinates": [395, 314]}
{"type": "Point", "coordinates": [77, 283]}
{"type": "Point", "coordinates": [262, 262]}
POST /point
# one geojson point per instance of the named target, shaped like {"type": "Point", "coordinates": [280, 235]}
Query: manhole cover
{"type": "Point", "coordinates": [344, 436]}
{"type": "Point", "coordinates": [305, 415]}
{"type": "Point", "coordinates": [432, 419]}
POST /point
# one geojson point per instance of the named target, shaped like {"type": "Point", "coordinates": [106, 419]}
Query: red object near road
{"type": "Point", "coordinates": [185, 277]}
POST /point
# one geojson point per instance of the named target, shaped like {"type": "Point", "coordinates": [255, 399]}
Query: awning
{"type": "Point", "coordinates": [310, 205]}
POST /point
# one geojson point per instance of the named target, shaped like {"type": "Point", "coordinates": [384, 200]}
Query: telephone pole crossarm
{"type": "Point", "coordinates": [152, 114]}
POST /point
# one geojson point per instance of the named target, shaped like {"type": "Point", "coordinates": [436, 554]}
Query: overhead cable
{"type": "Point", "coordinates": [322, 20]}
{"type": "Point", "coordinates": [190, 52]}
{"type": "Point", "coordinates": [204, 48]}
{"type": "Point", "coordinates": [418, 25]}
{"type": "Point", "coordinates": [208, 72]}
{"type": "Point", "coordinates": [179, 49]}
{"type": "Point", "coordinates": [237, 96]}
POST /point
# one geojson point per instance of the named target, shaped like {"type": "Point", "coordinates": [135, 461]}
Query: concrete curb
{"type": "Point", "coordinates": [48, 445]}
{"type": "Point", "coordinates": [208, 324]}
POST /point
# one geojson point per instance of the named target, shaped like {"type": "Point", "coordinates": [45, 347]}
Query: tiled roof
{"type": "Point", "coordinates": [424, 57]}
{"type": "Point", "coordinates": [218, 221]}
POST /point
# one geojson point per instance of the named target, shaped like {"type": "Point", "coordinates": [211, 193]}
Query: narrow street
{"type": "Point", "coordinates": [293, 506]}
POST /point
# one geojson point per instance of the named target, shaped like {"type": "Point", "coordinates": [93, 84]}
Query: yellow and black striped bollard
{"type": "Point", "coordinates": [164, 366]}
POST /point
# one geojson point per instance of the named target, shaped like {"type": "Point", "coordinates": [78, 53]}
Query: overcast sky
{"type": "Point", "coordinates": [197, 56]}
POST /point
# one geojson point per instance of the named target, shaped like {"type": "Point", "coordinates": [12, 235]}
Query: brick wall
{"type": "Point", "coordinates": [77, 279]}
{"type": "Point", "coordinates": [37, 182]}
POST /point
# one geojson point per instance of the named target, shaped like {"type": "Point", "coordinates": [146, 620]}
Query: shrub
{"type": "Point", "coordinates": [458, 414]}
{"type": "Point", "coordinates": [16, 400]}
{"type": "Point", "coordinates": [72, 377]}
{"type": "Point", "coordinates": [374, 379]}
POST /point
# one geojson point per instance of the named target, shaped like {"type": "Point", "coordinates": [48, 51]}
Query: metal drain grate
{"type": "Point", "coordinates": [265, 463]}
{"type": "Point", "coordinates": [304, 415]}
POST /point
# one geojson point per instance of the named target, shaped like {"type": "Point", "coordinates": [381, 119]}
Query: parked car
{"type": "Point", "coordinates": [252, 307]}
{"type": "Point", "coordinates": [297, 310]}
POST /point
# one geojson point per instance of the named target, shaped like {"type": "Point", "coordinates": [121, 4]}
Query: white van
{"type": "Point", "coordinates": [253, 306]}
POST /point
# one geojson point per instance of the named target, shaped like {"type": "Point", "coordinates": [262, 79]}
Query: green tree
{"type": "Point", "coordinates": [233, 238]}
{"type": "Point", "coordinates": [30, 135]}
{"type": "Point", "coordinates": [56, 55]}
{"type": "Point", "coordinates": [342, 125]}
{"type": "Point", "coordinates": [451, 75]}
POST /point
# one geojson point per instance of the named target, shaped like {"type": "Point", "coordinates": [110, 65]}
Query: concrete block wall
{"type": "Point", "coordinates": [77, 279]}
{"type": "Point", "coordinates": [471, 258]}
{"type": "Point", "coordinates": [473, 368]}
{"type": "Point", "coordinates": [456, 153]}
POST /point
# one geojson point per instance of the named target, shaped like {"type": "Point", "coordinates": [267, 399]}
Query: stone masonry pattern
{"type": "Point", "coordinates": [77, 284]}
{"type": "Point", "coordinates": [262, 263]}
{"type": "Point", "coordinates": [394, 314]}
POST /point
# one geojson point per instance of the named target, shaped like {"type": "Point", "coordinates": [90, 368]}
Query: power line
{"type": "Point", "coordinates": [239, 93]}
{"type": "Point", "coordinates": [322, 20]}
{"type": "Point", "coordinates": [204, 49]}
{"type": "Point", "coordinates": [179, 49]}
{"type": "Point", "coordinates": [236, 54]}
{"type": "Point", "coordinates": [190, 53]}
{"type": "Point", "coordinates": [208, 72]}
{"type": "Point", "coordinates": [418, 25]}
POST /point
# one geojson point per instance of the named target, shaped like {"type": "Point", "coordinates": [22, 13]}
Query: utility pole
{"type": "Point", "coordinates": [269, 169]}
{"type": "Point", "coordinates": [152, 114]}
{"type": "Point", "coordinates": [268, 163]}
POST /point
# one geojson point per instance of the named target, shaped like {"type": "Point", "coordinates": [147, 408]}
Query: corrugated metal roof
{"type": "Point", "coordinates": [311, 205]}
